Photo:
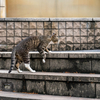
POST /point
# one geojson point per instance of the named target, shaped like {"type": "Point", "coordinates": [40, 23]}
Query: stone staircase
{"type": "Point", "coordinates": [66, 75]}
{"type": "Point", "coordinates": [24, 96]}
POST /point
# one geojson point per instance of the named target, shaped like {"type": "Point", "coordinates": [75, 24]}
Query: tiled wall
{"type": "Point", "coordinates": [73, 35]}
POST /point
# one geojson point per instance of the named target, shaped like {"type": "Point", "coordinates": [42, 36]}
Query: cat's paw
{"type": "Point", "coordinates": [19, 71]}
{"type": "Point", "coordinates": [49, 52]}
{"type": "Point", "coordinates": [29, 68]}
{"type": "Point", "coordinates": [32, 71]}
{"type": "Point", "coordinates": [43, 60]}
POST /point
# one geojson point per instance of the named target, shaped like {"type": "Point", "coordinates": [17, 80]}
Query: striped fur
{"type": "Point", "coordinates": [20, 52]}
{"type": "Point", "coordinates": [12, 59]}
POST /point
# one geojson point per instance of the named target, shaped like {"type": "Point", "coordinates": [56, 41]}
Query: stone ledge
{"type": "Point", "coordinates": [24, 19]}
{"type": "Point", "coordinates": [25, 96]}
{"type": "Point", "coordinates": [2, 19]}
{"type": "Point", "coordinates": [51, 76]}
{"type": "Point", "coordinates": [62, 84]}
{"type": "Point", "coordinates": [70, 19]}
{"type": "Point", "coordinates": [61, 54]}
{"type": "Point", "coordinates": [49, 19]}
{"type": "Point", "coordinates": [96, 19]}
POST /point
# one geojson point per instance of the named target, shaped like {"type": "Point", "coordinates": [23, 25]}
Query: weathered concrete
{"type": "Point", "coordinates": [64, 84]}
{"type": "Point", "coordinates": [74, 33]}
{"type": "Point", "coordinates": [51, 76]}
{"type": "Point", "coordinates": [96, 19]}
{"type": "Point", "coordinates": [59, 61]}
{"type": "Point", "coordinates": [23, 19]}
{"type": "Point", "coordinates": [61, 54]}
{"type": "Point", "coordinates": [24, 96]}
{"type": "Point", "coordinates": [70, 19]}
{"type": "Point", "coordinates": [49, 19]}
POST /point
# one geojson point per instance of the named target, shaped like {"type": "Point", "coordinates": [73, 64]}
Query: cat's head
{"type": "Point", "coordinates": [55, 39]}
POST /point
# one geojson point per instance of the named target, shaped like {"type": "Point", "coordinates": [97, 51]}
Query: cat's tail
{"type": "Point", "coordinates": [12, 59]}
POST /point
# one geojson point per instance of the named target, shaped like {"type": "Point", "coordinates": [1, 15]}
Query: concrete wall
{"type": "Point", "coordinates": [79, 62]}
{"type": "Point", "coordinates": [74, 34]}
{"type": "Point", "coordinates": [53, 8]}
{"type": "Point", "coordinates": [76, 85]}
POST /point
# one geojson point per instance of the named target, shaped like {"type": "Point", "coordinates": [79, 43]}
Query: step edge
{"type": "Point", "coordinates": [40, 96]}
{"type": "Point", "coordinates": [49, 76]}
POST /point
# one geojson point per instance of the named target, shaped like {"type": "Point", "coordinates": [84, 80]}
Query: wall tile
{"type": "Point", "coordinates": [69, 24]}
{"type": "Point", "coordinates": [55, 25]}
{"type": "Point", "coordinates": [62, 40]}
{"type": "Point", "coordinates": [76, 47]}
{"type": "Point", "coordinates": [97, 24]}
{"type": "Point", "coordinates": [10, 40]}
{"type": "Point", "coordinates": [47, 25]}
{"type": "Point", "coordinates": [2, 40]}
{"type": "Point", "coordinates": [69, 32]}
{"type": "Point", "coordinates": [25, 25]}
{"type": "Point", "coordinates": [97, 39]}
{"type": "Point", "coordinates": [17, 25]}
{"type": "Point", "coordinates": [84, 32]}
{"type": "Point", "coordinates": [61, 24]}
{"type": "Point", "coordinates": [62, 47]}
{"type": "Point", "coordinates": [69, 46]}
{"type": "Point", "coordinates": [2, 32]}
{"type": "Point", "coordinates": [91, 39]}
{"type": "Point", "coordinates": [32, 32]}
{"type": "Point", "coordinates": [2, 25]}
{"type": "Point", "coordinates": [39, 32]}
{"type": "Point", "coordinates": [40, 25]}
{"type": "Point", "coordinates": [83, 24]}
{"type": "Point", "coordinates": [62, 32]}
{"type": "Point", "coordinates": [76, 39]}
{"type": "Point", "coordinates": [84, 40]}
{"type": "Point", "coordinates": [90, 32]}
{"type": "Point", "coordinates": [10, 32]}
{"type": "Point", "coordinates": [90, 46]}
{"type": "Point", "coordinates": [77, 25]}
{"type": "Point", "coordinates": [77, 32]}
{"type": "Point", "coordinates": [84, 46]}
{"type": "Point", "coordinates": [47, 32]}
{"type": "Point", "coordinates": [97, 32]}
{"type": "Point", "coordinates": [10, 25]}
{"type": "Point", "coordinates": [25, 33]}
{"type": "Point", "coordinates": [32, 24]}
{"type": "Point", "coordinates": [69, 40]}
{"type": "Point", "coordinates": [18, 32]}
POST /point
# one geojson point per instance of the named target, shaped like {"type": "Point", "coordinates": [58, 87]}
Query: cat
{"type": "Point", "coordinates": [21, 51]}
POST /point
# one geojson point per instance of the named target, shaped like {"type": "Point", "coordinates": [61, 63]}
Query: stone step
{"type": "Point", "coordinates": [49, 83]}
{"type": "Point", "coordinates": [25, 96]}
{"type": "Point", "coordinates": [81, 61]}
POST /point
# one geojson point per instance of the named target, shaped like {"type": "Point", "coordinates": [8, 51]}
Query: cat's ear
{"type": "Point", "coordinates": [54, 34]}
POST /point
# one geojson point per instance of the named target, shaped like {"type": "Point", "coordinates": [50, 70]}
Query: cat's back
{"type": "Point", "coordinates": [27, 43]}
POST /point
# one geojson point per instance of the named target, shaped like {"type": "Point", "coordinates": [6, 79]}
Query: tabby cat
{"type": "Point", "coordinates": [21, 51]}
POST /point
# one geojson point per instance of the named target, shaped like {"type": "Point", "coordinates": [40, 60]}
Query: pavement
{"type": "Point", "coordinates": [26, 96]}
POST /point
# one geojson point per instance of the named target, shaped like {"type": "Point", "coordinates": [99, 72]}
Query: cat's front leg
{"type": "Point", "coordinates": [44, 56]}
{"type": "Point", "coordinates": [42, 53]}
{"type": "Point", "coordinates": [43, 60]}
{"type": "Point", "coordinates": [29, 68]}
